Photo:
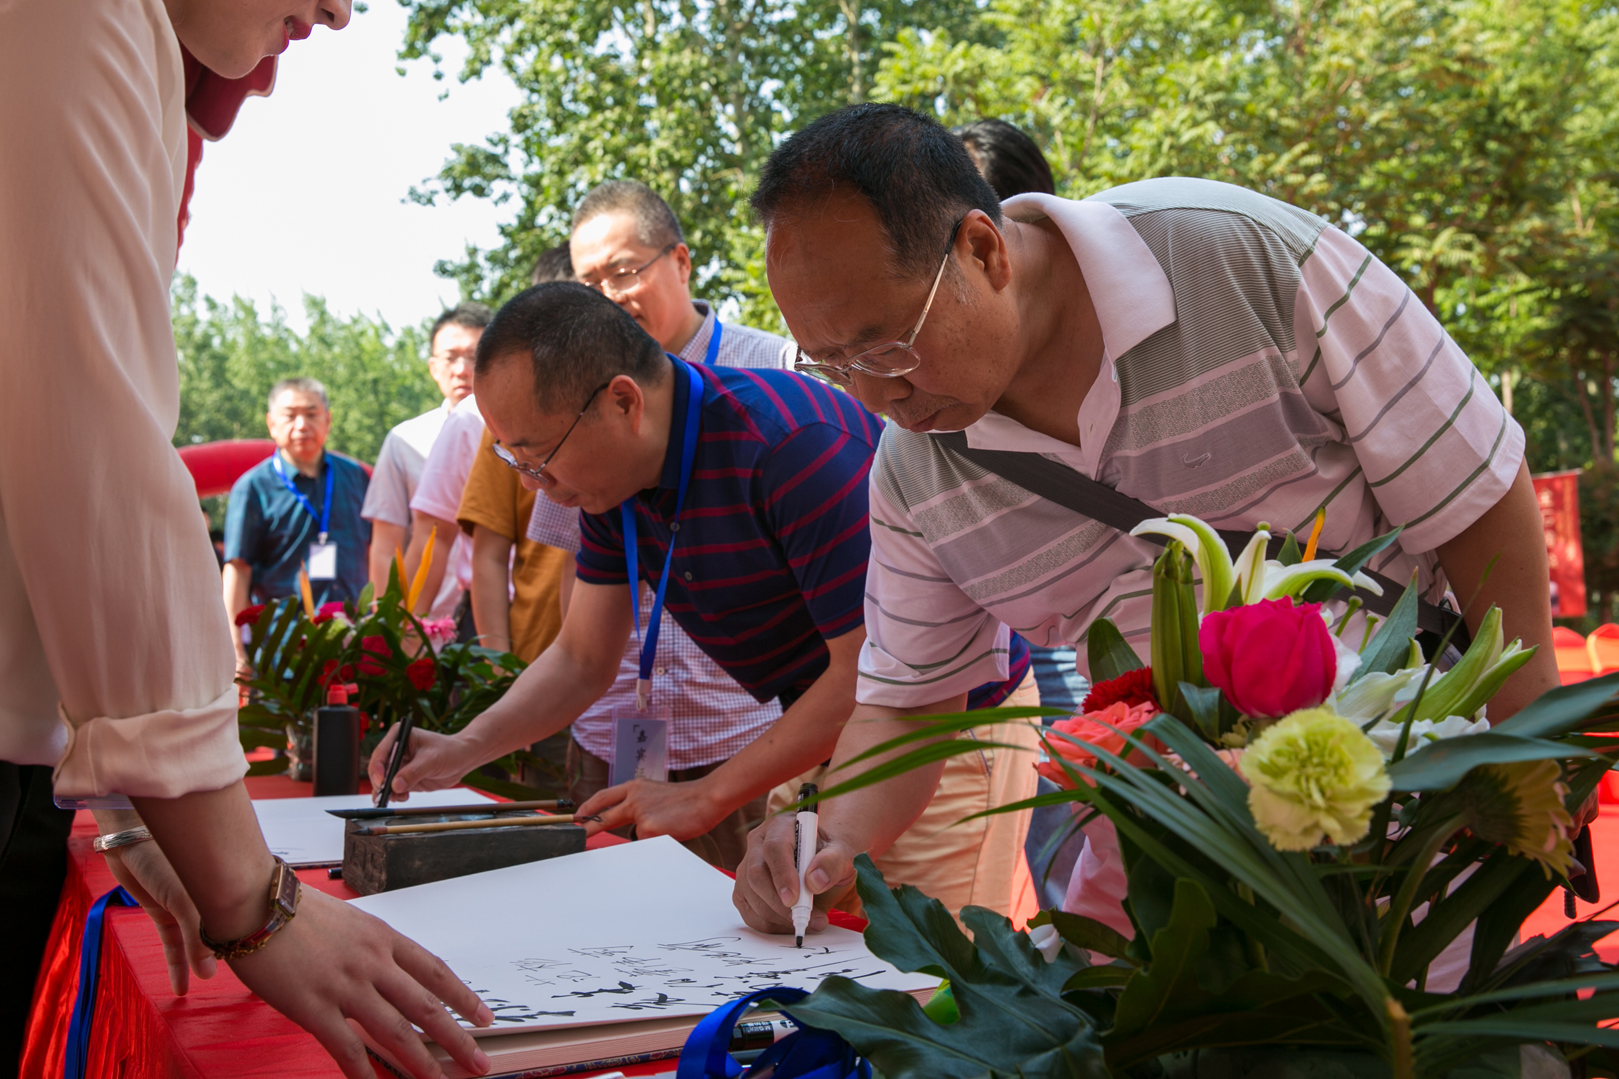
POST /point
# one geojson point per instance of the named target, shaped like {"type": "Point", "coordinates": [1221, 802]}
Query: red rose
{"type": "Point", "coordinates": [327, 612]}
{"type": "Point", "coordinates": [248, 615]}
{"type": "Point", "coordinates": [1130, 688]}
{"type": "Point", "coordinates": [377, 647]}
{"type": "Point", "coordinates": [1269, 658]}
{"type": "Point", "coordinates": [422, 673]}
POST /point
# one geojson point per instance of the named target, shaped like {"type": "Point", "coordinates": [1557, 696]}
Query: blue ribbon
{"type": "Point", "coordinates": [84, 1005]}
{"type": "Point", "coordinates": [806, 1053]}
{"type": "Point", "coordinates": [626, 509]}
{"type": "Point", "coordinates": [714, 344]}
{"type": "Point", "coordinates": [324, 519]}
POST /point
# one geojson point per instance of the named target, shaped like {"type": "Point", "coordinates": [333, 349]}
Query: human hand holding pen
{"type": "Point", "coordinates": [767, 881]}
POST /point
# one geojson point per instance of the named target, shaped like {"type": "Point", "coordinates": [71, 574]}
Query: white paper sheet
{"type": "Point", "coordinates": [626, 932]}
{"type": "Point", "coordinates": [301, 831]}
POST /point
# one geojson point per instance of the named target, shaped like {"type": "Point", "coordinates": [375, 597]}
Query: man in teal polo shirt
{"type": "Point", "coordinates": [298, 510]}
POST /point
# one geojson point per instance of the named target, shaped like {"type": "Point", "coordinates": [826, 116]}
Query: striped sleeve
{"type": "Point", "coordinates": [1435, 446]}
{"type": "Point", "coordinates": [926, 640]}
{"type": "Point", "coordinates": [816, 483]}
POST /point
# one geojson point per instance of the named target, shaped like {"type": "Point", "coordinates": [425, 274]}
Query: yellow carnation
{"type": "Point", "coordinates": [1312, 774]}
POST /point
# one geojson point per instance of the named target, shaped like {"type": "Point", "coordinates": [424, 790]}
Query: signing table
{"type": "Point", "coordinates": [142, 1031]}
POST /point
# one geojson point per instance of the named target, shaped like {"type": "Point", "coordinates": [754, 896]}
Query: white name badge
{"type": "Point", "coordinates": [640, 744]}
{"type": "Point", "coordinates": [323, 561]}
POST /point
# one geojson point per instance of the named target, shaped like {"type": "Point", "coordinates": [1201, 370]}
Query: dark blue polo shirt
{"type": "Point", "coordinates": [771, 557]}
{"type": "Point", "coordinates": [269, 529]}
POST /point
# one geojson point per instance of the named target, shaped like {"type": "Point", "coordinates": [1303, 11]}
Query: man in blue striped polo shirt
{"type": "Point", "coordinates": [750, 486]}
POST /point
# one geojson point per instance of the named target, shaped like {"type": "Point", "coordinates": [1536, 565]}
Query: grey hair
{"type": "Point", "coordinates": [300, 385]}
{"type": "Point", "coordinates": [655, 223]}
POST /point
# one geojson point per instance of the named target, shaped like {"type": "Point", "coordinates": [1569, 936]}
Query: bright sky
{"type": "Point", "coordinates": [306, 192]}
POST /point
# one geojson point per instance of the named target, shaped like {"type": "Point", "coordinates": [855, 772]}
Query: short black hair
{"type": "Point", "coordinates": [655, 223]}
{"type": "Point", "coordinates": [472, 315]}
{"type": "Point", "coordinates": [1007, 157]}
{"type": "Point", "coordinates": [555, 264]}
{"type": "Point", "coordinates": [912, 169]}
{"type": "Point", "coordinates": [577, 340]}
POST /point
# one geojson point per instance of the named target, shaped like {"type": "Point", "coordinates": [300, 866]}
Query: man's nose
{"type": "Point", "coordinates": [877, 393]}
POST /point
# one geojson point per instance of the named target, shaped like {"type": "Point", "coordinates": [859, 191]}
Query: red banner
{"type": "Point", "coordinates": [1559, 496]}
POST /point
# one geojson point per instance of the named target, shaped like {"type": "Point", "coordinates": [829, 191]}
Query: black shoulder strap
{"type": "Point", "coordinates": [1056, 482]}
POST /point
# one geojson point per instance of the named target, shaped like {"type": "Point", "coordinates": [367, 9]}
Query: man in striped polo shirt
{"type": "Point", "coordinates": [757, 480]}
{"type": "Point", "coordinates": [1202, 348]}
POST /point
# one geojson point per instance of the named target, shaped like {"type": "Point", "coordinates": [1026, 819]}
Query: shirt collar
{"type": "Point", "coordinates": [1133, 301]}
{"type": "Point", "coordinates": [670, 478]}
{"type": "Point", "coordinates": [1128, 287]}
{"type": "Point", "coordinates": [697, 347]}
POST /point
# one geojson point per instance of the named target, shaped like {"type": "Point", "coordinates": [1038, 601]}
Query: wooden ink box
{"type": "Point", "coordinates": [382, 863]}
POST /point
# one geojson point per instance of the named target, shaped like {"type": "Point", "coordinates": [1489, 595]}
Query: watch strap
{"type": "Point", "coordinates": [285, 891]}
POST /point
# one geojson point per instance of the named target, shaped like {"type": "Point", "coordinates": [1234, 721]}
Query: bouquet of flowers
{"type": "Point", "coordinates": [1306, 821]}
{"type": "Point", "coordinates": [389, 662]}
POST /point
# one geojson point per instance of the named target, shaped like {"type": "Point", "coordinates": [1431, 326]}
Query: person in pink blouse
{"type": "Point", "coordinates": [116, 668]}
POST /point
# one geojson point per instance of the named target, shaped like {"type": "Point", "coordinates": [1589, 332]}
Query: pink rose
{"type": "Point", "coordinates": [1093, 730]}
{"type": "Point", "coordinates": [1269, 658]}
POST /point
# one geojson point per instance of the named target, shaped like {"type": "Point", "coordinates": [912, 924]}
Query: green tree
{"type": "Point", "coordinates": [689, 98]}
{"type": "Point", "coordinates": [230, 356]}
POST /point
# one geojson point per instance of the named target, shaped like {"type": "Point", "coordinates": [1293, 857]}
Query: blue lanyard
{"type": "Point", "coordinates": [714, 344]}
{"type": "Point", "coordinates": [324, 520]}
{"type": "Point", "coordinates": [626, 509]}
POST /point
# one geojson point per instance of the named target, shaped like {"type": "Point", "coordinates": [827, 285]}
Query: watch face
{"type": "Point", "coordinates": [286, 889]}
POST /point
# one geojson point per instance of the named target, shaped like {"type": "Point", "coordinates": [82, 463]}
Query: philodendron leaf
{"type": "Point", "coordinates": [1013, 1019]}
{"type": "Point", "coordinates": [1083, 932]}
{"type": "Point", "coordinates": [1443, 763]}
{"type": "Point", "coordinates": [1168, 986]}
{"type": "Point", "coordinates": [1108, 653]}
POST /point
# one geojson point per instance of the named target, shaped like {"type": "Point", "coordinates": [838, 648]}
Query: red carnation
{"type": "Point", "coordinates": [248, 615]}
{"type": "Point", "coordinates": [326, 671]}
{"type": "Point", "coordinates": [1131, 687]}
{"type": "Point", "coordinates": [422, 673]}
{"type": "Point", "coordinates": [377, 647]}
{"type": "Point", "coordinates": [327, 612]}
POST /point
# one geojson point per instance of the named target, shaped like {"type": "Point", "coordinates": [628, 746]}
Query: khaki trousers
{"type": "Point", "coordinates": [978, 862]}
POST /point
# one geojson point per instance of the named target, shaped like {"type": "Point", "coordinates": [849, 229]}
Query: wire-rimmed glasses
{"type": "Point", "coordinates": [538, 475]}
{"type": "Point", "coordinates": [890, 359]}
{"type": "Point", "coordinates": [625, 279]}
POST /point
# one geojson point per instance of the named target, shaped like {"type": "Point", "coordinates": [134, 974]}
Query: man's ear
{"type": "Point", "coordinates": [986, 246]}
{"type": "Point", "coordinates": [627, 398]}
{"type": "Point", "coordinates": [682, 257]}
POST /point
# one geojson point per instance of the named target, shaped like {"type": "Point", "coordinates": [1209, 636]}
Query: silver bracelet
{"type": "Point", "coordinates": [105, 843]}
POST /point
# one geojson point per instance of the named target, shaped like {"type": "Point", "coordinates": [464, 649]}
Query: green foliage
{"type": "Point", "coordinates": [230, 356]}
{"type": "Point", "coordinates": [688, 98]}
{"type": "Point", "coordinates": [1013, 1020]}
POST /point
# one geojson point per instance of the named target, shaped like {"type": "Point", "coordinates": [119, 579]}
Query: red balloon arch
{"type": "Point", "coordinates": [216, 465]}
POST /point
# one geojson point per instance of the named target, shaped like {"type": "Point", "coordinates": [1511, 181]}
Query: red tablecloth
{"type": "Point", "coordinates": [142, 1030]}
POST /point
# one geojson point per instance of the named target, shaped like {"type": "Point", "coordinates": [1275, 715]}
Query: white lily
{"type": "Point", "coordinates": [1375, 695]}
{"type": "Point", "coordinates": [1283, 580]}
{"type": "Point", "coordinates": [1046, 940]}
{"type": "Point", "coordinates": [1209, 550]}
{"type": "Point", "coordinates": [1386, 733]}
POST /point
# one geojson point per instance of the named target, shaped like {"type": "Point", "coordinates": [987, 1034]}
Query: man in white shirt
{"type": "Point", "coordinates": [453, 344]}
{"type": "Point", "coordinates": [116, 668]}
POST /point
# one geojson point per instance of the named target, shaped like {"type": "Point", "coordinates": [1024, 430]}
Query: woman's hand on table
{"type": "Point", "coordinates": [333, 963]}
{"type": "Point", "coordinates": [767, 879]}
{"type": "Point", "coordinates": [433, 762]}
{"type": "Point", "coordinates": [146, 874]}
{"type": "Point", "coordinates": [682, 810]}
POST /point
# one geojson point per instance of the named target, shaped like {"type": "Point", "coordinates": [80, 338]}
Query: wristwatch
{"type": "Point", "coordinates": [285, 891]}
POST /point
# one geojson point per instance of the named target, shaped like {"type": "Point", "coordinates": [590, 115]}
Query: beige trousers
{"type": "Point", "coordinates": [978, 862]}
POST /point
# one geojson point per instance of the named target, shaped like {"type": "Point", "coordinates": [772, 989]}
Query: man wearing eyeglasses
{"type": "Point", "coordinates": [743, 494]}
{"type": "Point", "coordinates": [1198, 347]}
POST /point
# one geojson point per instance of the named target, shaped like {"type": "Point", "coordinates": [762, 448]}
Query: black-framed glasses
{"type": "Point", "coordinates": [891, 359]}
{"type": "Point", "coordinates": [510, 460]}
{"type": "Point", "coordinates": [625, 279]}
